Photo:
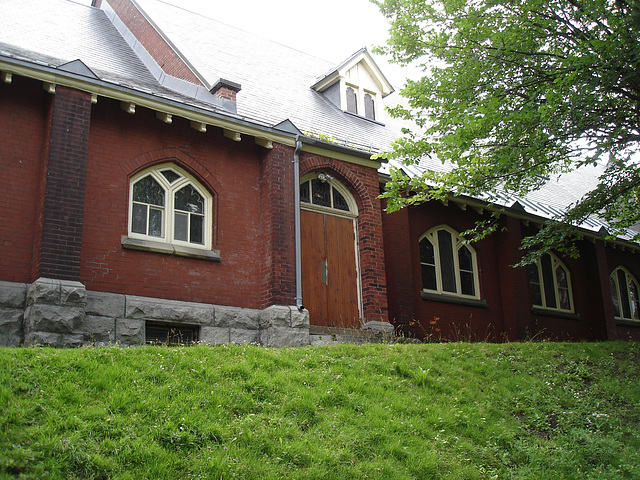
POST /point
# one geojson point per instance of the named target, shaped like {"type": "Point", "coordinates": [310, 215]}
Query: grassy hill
{"type": "Point", "coordinates": [456, 410]}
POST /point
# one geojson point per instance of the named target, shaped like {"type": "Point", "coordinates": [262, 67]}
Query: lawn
{"type": "Point", "coordinates": [394, 411]}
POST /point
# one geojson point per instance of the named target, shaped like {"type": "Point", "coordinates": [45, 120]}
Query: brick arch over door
{"type": "Point", "coordinates": [364, 185]}
{"type": "Point", "coordinates": [346, 174]}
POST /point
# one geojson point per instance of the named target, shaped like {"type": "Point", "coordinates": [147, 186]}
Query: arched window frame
{"type": "Point", "coordinates": [547, 291]}
{"type": "Point", "coordinates": [170, 188]}
{"type": "Point", "coordinates": [440, 264]}
{"type": "Point", "coordinates": [629, 299]}
{"type": "Point", "coordinates": [333, 184]}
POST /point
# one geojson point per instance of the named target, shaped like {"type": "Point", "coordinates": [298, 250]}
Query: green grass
{"type": "Point", "coordinates": [456, 410]}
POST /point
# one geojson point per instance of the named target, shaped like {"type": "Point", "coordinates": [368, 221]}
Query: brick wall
{"type": "Point", "coordinates": [23, 107]}
{"type": "Point", "coordinates": [65, 171]}
{"type": "Point", "coordinates": [399, 269]}
{"type": "Point", "coordinates": [364, 185]}
{"type": "Point", "coordinates": [508, 315]}
{"type": "Point", "coordinates": [613, 258]}
{"type": "Point", "coordinates": [452, 321]}
{"type": "Point", "coordinates": [277, 229]}
{"type": "Point", "coordinates": [123, 144]}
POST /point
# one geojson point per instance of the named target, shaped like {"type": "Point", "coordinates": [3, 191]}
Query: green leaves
{"type": "Point", "coordinates": [518, 90]}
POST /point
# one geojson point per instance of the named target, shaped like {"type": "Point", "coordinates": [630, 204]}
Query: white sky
{"type": "Point", "coordinates": [331, 29]}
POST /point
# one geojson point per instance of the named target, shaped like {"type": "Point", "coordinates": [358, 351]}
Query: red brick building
{"type": "Point", "coordinates": [218, 196]}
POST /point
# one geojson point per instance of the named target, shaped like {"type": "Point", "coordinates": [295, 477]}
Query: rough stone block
{"type": "Point", "coordinates": [129, 332]}
{"type": "Point", "coordinates": [10, 327]}
{"type": "Point", "coordinates": [105, 304]}
{"type": "Point", "coordinates": [275, 316]}
{"type": "Point", "coordinates": [99, 330]}
{"type": "Point", "coordinates": [284, 337]}
{"type": "Point", "coordinates": [56, 292]}
{"type": "Point", "coordinates": [72, 293]}
{"type": "Point", "coordinates": [44, 291]}
{"type": "Point", "coordinates": [213, 335]}
{"type": "Point", "coordinates": [240, 335]}
{"type": "Point", "coordinates": [379, 327]}
{"type": "Point", "coordinates": [72, 340]}
{"type": "Point", "coordinates": [236, 317]}
{"type": "Point", "coordinates": [299, 318]}
{"type": "Point", "coordinates": [169, 310]}
{"type": "Point", "coordinates": [52, 318]}
{"type": "Point", "coordinates": [43, 338]}
{"type": "Point", "coordinates": [13, 295]}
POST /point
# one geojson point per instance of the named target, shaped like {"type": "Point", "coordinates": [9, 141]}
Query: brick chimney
{"type": "Point", "coordinates": [225, 91]}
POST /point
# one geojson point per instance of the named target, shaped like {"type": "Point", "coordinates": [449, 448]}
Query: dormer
{"type": "Point", "coordinates": [356, 86]}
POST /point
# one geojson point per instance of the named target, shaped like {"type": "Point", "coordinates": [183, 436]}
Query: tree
{"type": "Point", "coordinates": [516, 91]}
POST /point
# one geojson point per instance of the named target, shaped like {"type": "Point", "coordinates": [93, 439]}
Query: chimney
{"type": "Point", "coordinates": [225, 91]}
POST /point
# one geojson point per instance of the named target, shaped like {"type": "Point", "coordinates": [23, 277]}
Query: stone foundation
{"type": "Point", "coordinates": [63, 313]}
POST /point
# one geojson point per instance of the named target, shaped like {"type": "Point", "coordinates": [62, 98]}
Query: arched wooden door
{"type": "Point", "coordinates": [330, 279]}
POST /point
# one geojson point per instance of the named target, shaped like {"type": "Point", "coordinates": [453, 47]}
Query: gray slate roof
{"type": "Point", "coordinates": [276, 80]}
{"type": "Point", "coordinates": [56, 32]}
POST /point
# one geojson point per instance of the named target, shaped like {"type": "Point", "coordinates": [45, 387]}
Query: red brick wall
{"type": "Point", "coordinates": [122, 144]}
{"type": "Point", "coordinates": [154, 43]}
{"type": "Point", "coordinates": [364, 185]}
{"type": "Point", "coordinates": [452, 321]}
{"type": "Point", "coordinates": [64, 179]}
{"type": "Point", "coordinates": [399, 270]}
{"type": "Point", "coordinates": [617, 257]}
{"type": "Point", "coordinates": [23, 108]}
{"type": "Point", "coordinates": [506, 289]}
{"type": "Point", "coordinates": [277, 231]}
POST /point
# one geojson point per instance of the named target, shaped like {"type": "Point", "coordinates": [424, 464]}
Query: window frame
{"type": "Point", "coordinates": [169, 210]}
{"type": "Point", "coordinates": [334, 185]}
{"type": "Point", "coordinates": [629, 278]}
{"type": "Point", "coordinates": [457, 242]}
{"type": "Point", "coordinates": [555, 264]}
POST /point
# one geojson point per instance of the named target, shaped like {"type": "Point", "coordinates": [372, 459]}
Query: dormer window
{"type": "Point", "coordinates": [356, 86]}
{"type": "Point", "coordinates": [369, 106]}
{"type": "Point", "coordinates": [352, 101]}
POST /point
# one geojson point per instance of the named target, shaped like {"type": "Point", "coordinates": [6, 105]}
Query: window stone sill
{"type": "Point", "coordinates": [627, 323]}
{"type": "Point", "coordinates": [169, 249]}
{"type": "Point", "coordinates": [437, 297]}
{"type": "Point", "coordinates": [555, 313]}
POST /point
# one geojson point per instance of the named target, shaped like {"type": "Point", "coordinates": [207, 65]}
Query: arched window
{"type": "Point", "coordinates": [168, 205]}
{"type": "Point", "coordinates": [550, 284]}
{"type": "Point", "coordinates": [323, 191]}
{"type": "Point", "coordinates": [448, 265]}
{"type": "Point", "coordinates": [352, 100]}
{"type": "Point", "coordinates": [625, 295]}
{"type": "Point", "coordinates": [369, 106]}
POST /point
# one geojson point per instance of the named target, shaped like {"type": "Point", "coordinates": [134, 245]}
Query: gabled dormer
{"type": "Point", "coordinates": [356, 86]}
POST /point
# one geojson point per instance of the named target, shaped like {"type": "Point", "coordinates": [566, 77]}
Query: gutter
{"type": "Point", "coordinates": [296, 208]}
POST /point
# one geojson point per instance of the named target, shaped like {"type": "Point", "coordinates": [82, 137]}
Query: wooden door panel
{"type": "Point", "coordinates": [314, 291]}
{"type": "Point", "coordinates": [342, 286]}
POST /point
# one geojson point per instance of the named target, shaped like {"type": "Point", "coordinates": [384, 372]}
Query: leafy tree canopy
{"type": "Point", "coordinates": [516, 91]}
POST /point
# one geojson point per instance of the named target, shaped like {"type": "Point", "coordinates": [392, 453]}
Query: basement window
{"type": "Point", "coordinates": [170, 334]}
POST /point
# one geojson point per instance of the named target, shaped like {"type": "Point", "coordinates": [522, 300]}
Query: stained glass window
{"type": "Point", "coordinates": [447, 265]}
{"type": "Point", "coordinates": [625, 295]}
{"type": "Point", "coordinates": [167, 204]}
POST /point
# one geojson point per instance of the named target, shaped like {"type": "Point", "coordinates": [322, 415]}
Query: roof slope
{"type": "Point", "coordinates": [56, 32]}
{"type": "Point", "coordinates": [276, 80]}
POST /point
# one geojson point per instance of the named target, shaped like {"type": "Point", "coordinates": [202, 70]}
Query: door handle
{"type": "Point", "coordinates": [323, 270]}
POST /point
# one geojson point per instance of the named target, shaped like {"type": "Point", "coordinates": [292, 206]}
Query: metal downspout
{"type": "Point", "coordinates": [296, 207]}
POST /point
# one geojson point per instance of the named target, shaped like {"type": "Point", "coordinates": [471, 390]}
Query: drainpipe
{"type": "Point", "coordinates": [296, 207]}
